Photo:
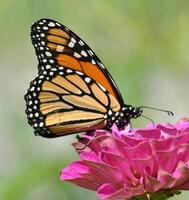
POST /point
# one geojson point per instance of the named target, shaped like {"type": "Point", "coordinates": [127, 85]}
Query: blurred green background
{"type": "Point", "coordinates": [145, 46]}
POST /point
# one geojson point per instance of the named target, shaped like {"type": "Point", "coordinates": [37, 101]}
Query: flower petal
{"type": "Point", "coordinates": [108, 191]}
{"type": "Point", "coordinates": [74, 174]}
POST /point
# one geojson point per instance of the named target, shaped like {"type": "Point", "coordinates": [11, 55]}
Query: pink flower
{"type": "Point", "coordinates": [133, 162]}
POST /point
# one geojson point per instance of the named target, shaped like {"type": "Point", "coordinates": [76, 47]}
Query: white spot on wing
{"type": "Point", "coordinates": [41, 77]}
{"type": "Point", "coordinates": [81, 42]}
{"type": "Point", "coordinates": [32, 89]}
{"type": "Point", "coordinates": [35, 125]}
{"type": "Point", "coordinates": [51, 73]}
{"type": "Point", "coordinates": [80, 73]}
{"type": "Point", "coordinates": [101, 65]}
{"type": "Point", "coordinates": [77, 55]}
{"type": "Point", "coordinates": [83, 53]}
{"type": "Point", "coordinates": [51, 24]}
{"type": "Point", "coordinates": [41, 124]}
{"type": "Point", "coordinates": [91, 53]}
{"type": "Point", "coordinates": [54, 69]}
{"type": "Point", "coordinates": [110, 112]}
{"type": "Point", "coordinates": [36, 114]}
{"type": "Point", "coordinates": [58, 24]}
{"type": "Point", "coordinates": [69, 71]}
{"type": "Point", "coordinates": [93, 62]}
{"type": "Point", "coordinates": [48, 66]}
{"type": "Point", "coordinates": [73, 40]}
{"type": "Point", "coordinates": [48, 53]}
{"type": "Point", "coordinates": [87, 79]}
{"type": "Point", "coordinates": [45, 28]}
{"type": "Point", "coordinates": [71, 44]}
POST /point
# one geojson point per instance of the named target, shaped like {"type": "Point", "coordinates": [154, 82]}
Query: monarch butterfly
{"type": "Point", "coordinates": [73, 91]}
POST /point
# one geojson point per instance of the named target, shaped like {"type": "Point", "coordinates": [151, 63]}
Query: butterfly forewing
{"type": "Point", "coordinates": [56, 45]}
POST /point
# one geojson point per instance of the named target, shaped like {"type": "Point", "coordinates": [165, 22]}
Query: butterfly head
{"type": "Point", "coordinates": [130, 112]}
{"type": "Point", "coordinates": [123, 117]}
{"type": "Point", "coordinates": [135, 111]}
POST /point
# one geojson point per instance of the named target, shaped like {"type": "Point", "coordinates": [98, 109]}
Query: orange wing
{"type": "Point", "coordinates": [58, 46]}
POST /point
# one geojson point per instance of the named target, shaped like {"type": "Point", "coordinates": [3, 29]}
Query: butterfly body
{"type": "Point", "coordinates": [73, 91]}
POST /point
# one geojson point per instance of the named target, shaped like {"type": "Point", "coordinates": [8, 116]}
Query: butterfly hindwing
{"type": "Point", "coordinates": [61, 101]}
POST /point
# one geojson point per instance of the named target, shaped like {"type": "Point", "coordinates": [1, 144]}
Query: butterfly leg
{"type": "Point", "coordinates": [83, 141]}
{"type": "Point", "coordinates": [79, 138]}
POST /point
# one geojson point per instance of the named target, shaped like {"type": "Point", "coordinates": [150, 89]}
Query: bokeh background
{"type": "Point", "coordinates": [145, 46]}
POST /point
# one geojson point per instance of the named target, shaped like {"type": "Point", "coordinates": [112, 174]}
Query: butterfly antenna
{"type": "Point", "coordinates": [148, 119]}
{"type": "Point", "coordinates": [170, 113]}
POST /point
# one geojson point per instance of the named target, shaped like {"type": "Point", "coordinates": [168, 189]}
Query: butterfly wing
{"type": "Point", "coordinates": [61, 101]}
{"type": "Point", "coordinates": [73, 91]}
{"type": "Point", "coordinates": [56, 45]}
